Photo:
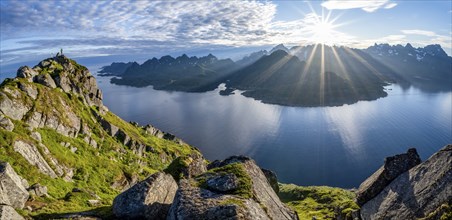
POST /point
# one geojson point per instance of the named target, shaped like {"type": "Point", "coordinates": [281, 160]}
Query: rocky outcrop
{"type": "Point", "coordinates": [415, 193]}
{"type": "Point", "coordinates": [149, 129]}
{"type": "Point", "coordinates": [27, 73]}
{"type": "Point", "coordinates": [187, 166]}
{"type": "Point", "coordinates": [392, 168]}
{"type": "Point", "coordinates": [12, 190]}
{"type": "Point", "coordinates": [192, 202]}
{"type": "Point", "coordinates": [12, 106]}
{"type": "Point", "coordinates": [8, 213]}
{"type": "Point", "coordinates": [61, 72]}
{"type": "Point", "coordinates": [234, 188]}
{"type": "Point", "coordinates": [148, 199]}
{"type": "Point", "coordinates": [5, 123]}
{"type": "Point", "coordinates": [32, 155]}
{"type": "Point", "coordinates": [38, 190]}
{"type": "Point", "coordinates": [46, 80]}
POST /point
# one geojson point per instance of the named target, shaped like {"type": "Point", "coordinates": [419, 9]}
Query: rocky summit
{"type": "Point", "coordinates": [64, 155]}
{"type": "Point", "coordinates": [424, 191]}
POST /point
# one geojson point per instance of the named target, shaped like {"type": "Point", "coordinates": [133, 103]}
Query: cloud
{"type": "Point", "coordinates": [185, 21]}
{"type": "Point", "coordinates": [366, 5]}
{"type": "Point", "coordinates": [420, 32]}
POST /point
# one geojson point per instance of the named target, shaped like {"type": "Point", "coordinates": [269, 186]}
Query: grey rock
{"type": "Point", "coordinates": [38, 190]}
{"type": "Point", "coordinates": [45, 79]}
{"type": "Point", "coordinates": [73, 149]}
{"type": "Point", "coordinates": [90, 141]}
{"type": "Point", "coordinates": [27, 73]}
{"type": "Point", "coordinates": [12, 191]}
{"type": "Point", "coordinates": [63, 82]}
{"type": "Point", "coordinates": [193, 202]}
{"type": "Point", "coordinates": [223, 182]}
{"type": "Point", "coordinates": [29, 89]}
{"type": "Point", "coordinates": [8, 213]}
{"type": "Point", "coordinates": [36, 135]}
{"type": "Point", "coordinates": [5, 123]}
{"type": "Point", "coordinates": [123, 137]}
{"type": "Point", "coordinates": [392, 168]}
{"type": "Point", "coordinates": [196, 203]}
{"type": "Point", "coordinates": [32, 155]}
{"type": "Point", "coordinates": [415, 193]}
{"type": "Point", "coordinates": [187, 166]}
{"type": "Point", "coordinates": [272, 179]}
{"type": "Point", "coordinates": [13, 108]}
{"type": "Point", "coordinates": [148, 199]}
{"type": "Point", "coordinates": [151, 130]}
{"type": "Point", "coordinates": [94, 202]}
{"type": "Point", "coordinates": [125, 182]}
{"type": "Point", "coordinates": [111, 129]}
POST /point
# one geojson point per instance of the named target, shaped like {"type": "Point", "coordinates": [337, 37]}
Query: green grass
{"type": "Point", "coordinates": [244, 189]}
{"type": "Point", "coordinates": [176, 167]}
{"type": "Point", "coordinates": [95, 169]}
{"type": "Point", "coordinates": [232, 201]}
{"type": "Point", "coordinates": [317, 201]}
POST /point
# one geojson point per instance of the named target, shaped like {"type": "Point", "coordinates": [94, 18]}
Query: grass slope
{"type": "Point", "coordinates": [95, 169]}
{"type": "Point", "coordinates": [319, 202]}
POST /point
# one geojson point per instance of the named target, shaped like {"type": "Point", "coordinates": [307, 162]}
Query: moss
{"type": "Point", "coordinates": [232, 201]}
{"type": "Point", "coordinates": [320, 202]}
{"type": "Point", "coordinates": [245, 186]}
{"type": "Point", "coordinates": [177, 167]}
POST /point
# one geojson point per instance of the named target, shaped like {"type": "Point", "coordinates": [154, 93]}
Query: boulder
{"type": "Point", "coordinates": [32, 155]}
{"type": "Point", "coordinates": [38, 190]}
{"type": "Point", "coordinates": [12, 191]}
{"type": "Point", "coordinates": [5, 123]}
{"type": "Point", "coordinates": [187, 166]}
{"type": "Point", "coordinates": [13, 108]}
{"type": "Point", "coordinates": [8, 213]}
{"type": "Point", "coordinates": [36, 135]}
{"type": "Point", "coordinates": [148, 199]}
{"type": "Point", "coordinates": [63, 82]}
{"type": "Point", "coordinates": [27, 73]}
{"type": "Point", "coordinates": [192, 202]}
{"type": "Point", "coordinates": [392, 168]}
{"type": "Point", "coordinates": [46, 80]}
{"type": "Point", "coordinates": [111, 129]}
{"type": "Point", "coordinates": [223, 182]}
{"type": "Point", "coordinates": [272, 179]}
{"type": "Point", "coordinates": [234, 188]}
{"type": "Point", "coordinates": [29, 89]}
{"type": "Point", "coordinates": [416, 193]}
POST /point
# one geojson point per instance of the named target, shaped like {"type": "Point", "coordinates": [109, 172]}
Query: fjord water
{"type": "Point", "coordinates": [336, 146]}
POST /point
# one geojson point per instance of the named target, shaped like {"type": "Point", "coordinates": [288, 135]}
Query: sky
{"type": "Point", "coordinates": [128, 30]}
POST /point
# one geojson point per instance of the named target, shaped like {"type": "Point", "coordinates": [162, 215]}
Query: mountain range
{"type": "Point", "coordinates": [312, 75]}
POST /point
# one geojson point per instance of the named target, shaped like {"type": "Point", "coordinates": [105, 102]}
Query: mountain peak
{"type": "Point", "coordinates": [279, 47]}
{"type": "Point", "coordinates": [62, 72]}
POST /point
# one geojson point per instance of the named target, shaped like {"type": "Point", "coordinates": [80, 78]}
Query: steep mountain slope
{"type": "Point", "coordinates": [55, 132]}
{"type": "Point", "coordinates": [183, 73]}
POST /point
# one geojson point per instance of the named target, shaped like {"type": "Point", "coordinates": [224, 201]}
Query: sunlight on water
{"type": "Point", "coordinates": [306, 146]}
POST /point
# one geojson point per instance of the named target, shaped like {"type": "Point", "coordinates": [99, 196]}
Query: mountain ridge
{"type": "Point", "coordinates": [365, 70]}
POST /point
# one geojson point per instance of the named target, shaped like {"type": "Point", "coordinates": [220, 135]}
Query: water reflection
{"type": "Point", "coordinates": [338, 146]}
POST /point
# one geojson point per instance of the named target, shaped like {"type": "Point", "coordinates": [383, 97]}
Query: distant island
{"type": "Point", "coordinates": [312, 75]}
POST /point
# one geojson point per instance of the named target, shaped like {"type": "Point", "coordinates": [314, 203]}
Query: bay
{"type": "Point", "coordinates": [335, 146]}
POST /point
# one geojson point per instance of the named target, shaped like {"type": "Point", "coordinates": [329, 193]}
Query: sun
{"type": "Point", "coordinates": [323, 32]}
{"type": "Point", "coordinates": [320, 28]}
